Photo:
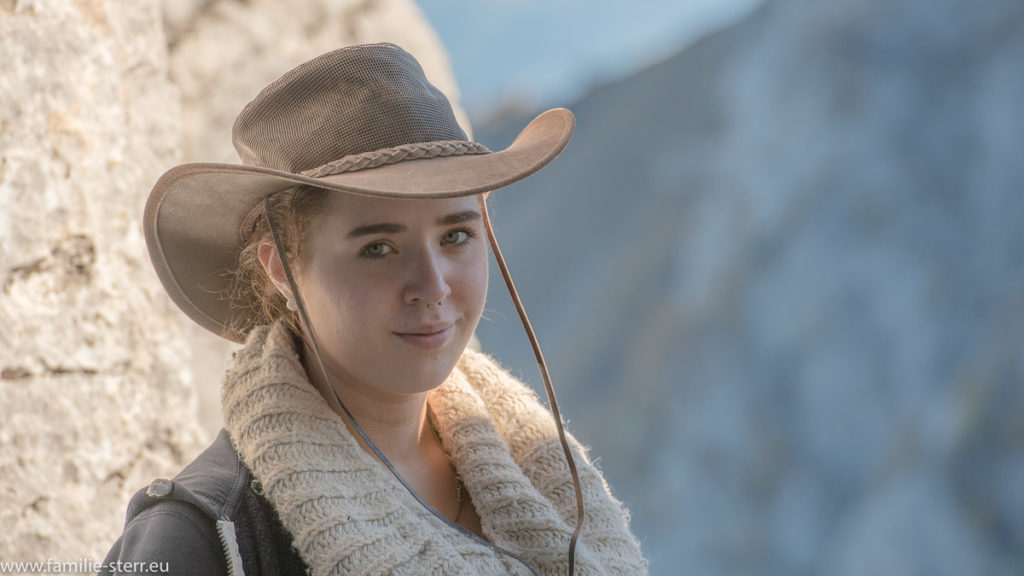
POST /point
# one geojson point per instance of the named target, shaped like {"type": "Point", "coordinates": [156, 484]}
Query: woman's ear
{"type": "Point", "coordinates": [271, 261]}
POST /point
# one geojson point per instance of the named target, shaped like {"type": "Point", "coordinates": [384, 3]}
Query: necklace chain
{"type": "Point", "coordinates": [458, 493]}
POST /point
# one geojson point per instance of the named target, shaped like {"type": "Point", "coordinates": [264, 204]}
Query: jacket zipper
{"type": "Point", "coordinates": [228, 541]}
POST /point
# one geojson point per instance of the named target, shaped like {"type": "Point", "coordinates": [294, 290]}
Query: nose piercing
{"type": "Point", "coordinates": [429, 304]}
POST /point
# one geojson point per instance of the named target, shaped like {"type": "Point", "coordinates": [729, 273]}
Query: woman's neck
{"type": "Point", "coordinates": [396, 423]}
{"type": "Point", "coordinates": [400, 427]}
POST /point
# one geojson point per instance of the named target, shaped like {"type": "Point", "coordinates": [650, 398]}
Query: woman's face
{"type": "Point", "coordinates": [394, 288]}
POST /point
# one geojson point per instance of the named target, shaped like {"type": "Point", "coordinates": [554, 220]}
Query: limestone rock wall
{"type": "Point", "coordinates": [101, 377]}
{"type": "Point", "coordinates": [95, 396]}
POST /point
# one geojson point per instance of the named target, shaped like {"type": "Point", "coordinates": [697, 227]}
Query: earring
{"type": "Point", "coordinates": [291, 305]}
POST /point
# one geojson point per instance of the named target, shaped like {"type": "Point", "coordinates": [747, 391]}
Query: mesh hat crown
{"type": "Point", "coordinates": [360, 120]}
{"type": "Point", "coordinates": [347, 102]}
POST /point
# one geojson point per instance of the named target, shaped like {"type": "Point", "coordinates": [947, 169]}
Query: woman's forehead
{"type": "Point", "coordinates": [357, 210]}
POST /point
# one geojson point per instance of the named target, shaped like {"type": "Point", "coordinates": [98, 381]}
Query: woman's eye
{"type": "Point", "coordinates": [456, 237]}
{"type": "Point", "coordinates": [376, 250]}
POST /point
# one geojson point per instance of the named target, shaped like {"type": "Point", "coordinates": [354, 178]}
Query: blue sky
{"type": "Point", "coordinates": [547, 52]}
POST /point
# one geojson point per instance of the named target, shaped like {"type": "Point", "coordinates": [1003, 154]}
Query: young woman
{"type": "Point", "coordinates": [348, 253]}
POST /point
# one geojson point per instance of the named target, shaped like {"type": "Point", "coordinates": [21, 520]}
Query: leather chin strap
{"type": "Point", "coordinates": [541, 364]}
{"type": "Point", "coordinates": [549, 389]}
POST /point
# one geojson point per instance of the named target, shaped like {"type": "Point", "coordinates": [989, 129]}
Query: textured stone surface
{"type": "Point", "coordinates": [101, 378]}
{"type": "Point", "coordinates": [93, 385]}
{"type": "Point", "coordinates": [779, 282]}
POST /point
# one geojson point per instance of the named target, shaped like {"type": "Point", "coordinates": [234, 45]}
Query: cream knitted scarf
{"type": "Point", "coordinates": [349, 515]}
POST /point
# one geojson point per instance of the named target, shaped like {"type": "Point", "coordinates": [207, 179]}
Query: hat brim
{"type": "Point", "coordinates": [194, 213]}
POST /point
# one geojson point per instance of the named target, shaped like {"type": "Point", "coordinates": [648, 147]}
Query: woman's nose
{"type": "Point", "coordinates": [427, 283]}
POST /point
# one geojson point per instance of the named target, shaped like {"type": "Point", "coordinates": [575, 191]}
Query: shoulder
{"type": "Point", "coordinates": [176, 523]}
{"type": "Point", "coordinates": [493, 382]}
{"type": "Point", "coordinates": [171, 536]}
{"type": "Point", "coordinates": [217, 477]}
{"type": "Point", "coordinates": [513, 406]}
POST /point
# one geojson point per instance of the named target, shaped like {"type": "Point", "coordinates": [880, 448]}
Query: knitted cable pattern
{"type": "Point", "coordinates": [348, 515]}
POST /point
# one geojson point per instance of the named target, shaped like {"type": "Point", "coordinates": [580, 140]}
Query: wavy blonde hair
{"type": "Point", "coordinates": [253, 298]}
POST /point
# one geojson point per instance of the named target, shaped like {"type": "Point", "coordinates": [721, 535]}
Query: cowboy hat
{"type": "Point", "coordinates": [361, 119]}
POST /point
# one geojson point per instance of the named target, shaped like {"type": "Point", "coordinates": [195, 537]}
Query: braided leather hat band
{"type": "Point", "coordinates": [415, 151]}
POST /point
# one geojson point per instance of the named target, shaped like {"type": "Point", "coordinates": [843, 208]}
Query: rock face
{"type": "Point", "coordinates": [95, 398]}
{"type": "Point", "coordinates": [99, 372]}
{"type": "Point", "coordinates": [780, 284]}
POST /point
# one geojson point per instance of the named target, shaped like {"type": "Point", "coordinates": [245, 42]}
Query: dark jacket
{"type": "Point", "coordinates": [207, 520]}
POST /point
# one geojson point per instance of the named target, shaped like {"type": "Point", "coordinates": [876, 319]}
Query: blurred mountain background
{"type": "Point", "coordinates": [779, 280]}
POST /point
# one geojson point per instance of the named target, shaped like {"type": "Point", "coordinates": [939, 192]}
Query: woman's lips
{"type": "Point", "coordinates": [428, 338]}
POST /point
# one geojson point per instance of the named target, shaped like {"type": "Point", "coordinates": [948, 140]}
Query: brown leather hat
{"type": "Point", "coordinates": [361, 119]}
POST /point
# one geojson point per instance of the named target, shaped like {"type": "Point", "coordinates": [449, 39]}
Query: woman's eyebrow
{"type": "Point", "coordinates": [458, 217]}
{"type": "Point", "coordinates": [382, 228]}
